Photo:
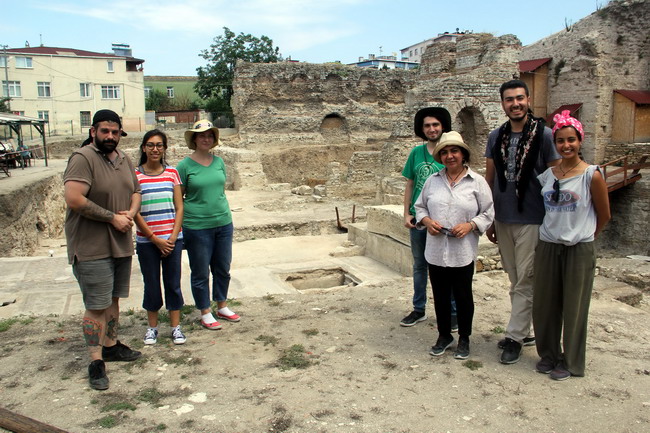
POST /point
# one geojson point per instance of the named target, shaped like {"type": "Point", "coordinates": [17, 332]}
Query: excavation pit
{"type": "Point", "coordinates": [321, 280]}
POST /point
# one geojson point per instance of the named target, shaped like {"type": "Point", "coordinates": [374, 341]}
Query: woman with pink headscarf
{"type": "Point", "coordinates": [577, 209]}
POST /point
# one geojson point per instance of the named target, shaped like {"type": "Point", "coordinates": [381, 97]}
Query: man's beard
{"type": "Point", "coordinates": [106, 146]}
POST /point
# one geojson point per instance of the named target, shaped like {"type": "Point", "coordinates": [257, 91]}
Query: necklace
{"type": "Point", "coordinates": [564, 173]}
{"type": "Point", "coordinates": [452, 182]}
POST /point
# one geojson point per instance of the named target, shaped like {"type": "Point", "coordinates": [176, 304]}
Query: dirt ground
{"type": "Point", "coordinates": [330, 361]}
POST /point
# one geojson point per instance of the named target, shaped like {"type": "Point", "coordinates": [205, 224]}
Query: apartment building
{"type": "Point", "coordinates": [65, 86]}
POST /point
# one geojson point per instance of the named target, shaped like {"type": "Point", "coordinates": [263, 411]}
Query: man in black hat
{"type": "Point", "coordinates": [517, 152]}
{"type": "Point", "coordinates": [429, 124]}
{"type": "Point", "coordinates": [102, 195]}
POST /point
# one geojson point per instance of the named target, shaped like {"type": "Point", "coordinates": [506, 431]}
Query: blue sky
{"type": "Point", "coordinates": [169, 34]}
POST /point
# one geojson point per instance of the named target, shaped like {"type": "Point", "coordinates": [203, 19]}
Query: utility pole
{"type": "Point", "coordinates": [4, 48]}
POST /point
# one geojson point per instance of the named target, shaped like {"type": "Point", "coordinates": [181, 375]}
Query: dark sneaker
{"type": "Point", "coordinates": [177, 336]}
{"type": "Point", "coordinates": [544, 366]}
{"type": "Point", "coordinates": [151, 336]}
{"type": "Point", "coordinates": [441, 345]}
{"type": "Point", "coordinates": [119, 352]}
{"type": "Point", "coordinates": [413, 318]}
{"type": "Point", "coordinates": [462, 350]}
{"type": "Point", "coordinates": [560, 372]}
{"type": "Point", "coordinates": [454, 323]}
{"type": "Point", "coordinates": [97, 375]}
{"type": "Point", "coordinates": [528, 341]}
{"type": "Point", "coordinates": [511, 353]}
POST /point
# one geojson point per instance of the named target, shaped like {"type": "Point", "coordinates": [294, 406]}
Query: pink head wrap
{"type": "Point", "coordinates": [564, 119]}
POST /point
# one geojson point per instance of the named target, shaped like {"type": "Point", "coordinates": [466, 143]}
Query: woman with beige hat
{"type": "Point", "coordinates": [455, 207]}
{"type": "Point", "coordinates": [207, 223]}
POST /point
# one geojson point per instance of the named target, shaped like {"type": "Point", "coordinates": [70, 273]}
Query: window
{"type": "Point", "coordinates": [416, 51]}
{"type": "Point", "coordinates": [12, 90]}
{"type": "Point", "coordinates": [147, 91]}
{"type": "Point", "coordinates": [170, 92]}
{"type": "Point", "coordinates": [85, 119]}
{"type": "Point", "coordinates": [109, 65]}
{"type": "Point", "coordinates": [84, 90]}
{"type": "Point", "coordinates": [43, 89]}
{"type": "Point", "coordinates": [3, 62]}
{"type": "Point", "coordinates": [110, 92]}
{"type": "Point", "coordinates": [44, 115]}
{"type": "Point", "coordinates": [23, 62]}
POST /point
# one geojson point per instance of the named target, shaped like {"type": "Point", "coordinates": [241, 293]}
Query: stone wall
{"type": "Point", "coordinates": [609, 49]}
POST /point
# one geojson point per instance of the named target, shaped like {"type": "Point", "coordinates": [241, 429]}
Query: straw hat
{"type": "Point", "coordinates": [451, 138]}
{"type": "Point", "coordinates": [201, 126]}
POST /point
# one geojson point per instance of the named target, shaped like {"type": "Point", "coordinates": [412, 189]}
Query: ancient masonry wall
{"type": "Point", "coordinates": [609, 49]}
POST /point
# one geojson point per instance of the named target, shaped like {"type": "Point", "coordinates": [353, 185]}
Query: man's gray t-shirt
{"type": "Point", "coordinates": [505, 203]}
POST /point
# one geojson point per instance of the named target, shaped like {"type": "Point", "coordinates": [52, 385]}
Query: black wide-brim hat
{"type": "Point", "coordinates": [439, 113]}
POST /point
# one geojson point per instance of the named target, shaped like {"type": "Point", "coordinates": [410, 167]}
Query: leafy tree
{"type": "Point", "coordinates": [4, 107]}
{"type": "Point", "coordinates": [157, 101]}
{"type": "Point", "coordinates": [215, 79]}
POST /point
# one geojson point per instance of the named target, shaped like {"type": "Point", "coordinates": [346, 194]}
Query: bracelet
{"type": "Point", "coordinates": [474, 226]}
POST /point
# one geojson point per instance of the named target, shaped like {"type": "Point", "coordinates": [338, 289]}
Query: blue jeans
{"type": "Point", "coordinates": [150, 262]}
{"type": "Point", "coordinates": [420, 272]}
{"type": "Point", "coordinates": [209, 251]}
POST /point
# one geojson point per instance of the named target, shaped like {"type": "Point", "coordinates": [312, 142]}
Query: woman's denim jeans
{"type": "Point", "coordinates": [209, 251]}
{"type": "Point", "coordinates": [150, 261]}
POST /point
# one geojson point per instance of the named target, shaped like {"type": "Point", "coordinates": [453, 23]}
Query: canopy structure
{"type": "Point", "coordinates": [15, 122]}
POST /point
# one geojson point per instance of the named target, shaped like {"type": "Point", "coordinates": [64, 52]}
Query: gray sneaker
{"type": "Point", "coordinates": [151, 336]}
{"type": "Point", "coordinates": [442, 344]}
{"type": "Point", "coordinates": [177, 336]}
{"type": "Point", "coordinates": [544, 366]}
{"type": "Point", "coordinates": [97, 375]}
{"type": "Point", "coordinates": [511, 353]}
{"type": "Point", "coordinates": [462, 350]}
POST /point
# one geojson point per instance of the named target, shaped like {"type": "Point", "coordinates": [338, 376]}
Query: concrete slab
{"type": "Point", "coordinates": [388, 220]}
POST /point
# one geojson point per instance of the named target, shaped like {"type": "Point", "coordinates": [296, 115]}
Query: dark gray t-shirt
{"type": "Point", "coordinates": [505, 203]}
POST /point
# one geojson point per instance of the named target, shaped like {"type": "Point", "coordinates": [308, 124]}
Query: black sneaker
{"type": "Point", "coordinates": [119, 352]}
{"type": "Point", "coordinates": [544, 366]}
{"type": "Point", "coordinates": [528, 341]}
{"type": "Point", "coordinates": [454, 323]}
{"type": "Point", "coordinates": [462, 350]}
{"type": "Point", "coordinates": [97, 375]}
{"type": "Point", "coordinates": [413, 318]}
{"type": "Point", "coordinates": [511, 353]}
{"type": "Point", "coordinates": [441, 345]}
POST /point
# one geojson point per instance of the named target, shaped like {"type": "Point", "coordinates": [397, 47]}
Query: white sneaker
{"type": "Point", "coordinates": [177, 336]}
{"type": "Point", "coordinates": [151, 337]}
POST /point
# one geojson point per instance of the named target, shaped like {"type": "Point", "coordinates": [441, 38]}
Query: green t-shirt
{"type": "Point", "coordinates": [419, 166]}
{"type": "Point", "coordinates": [205, 204]}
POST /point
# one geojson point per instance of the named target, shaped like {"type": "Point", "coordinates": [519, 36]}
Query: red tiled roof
{"type": "Point", "coordinates": [57, 51]}
{"type": "Point", "coordinates": [571, 107]}
{"type": "Point", "coordinates": [641, 97]}
{"type": "Point", "coordinates": [531, 65]}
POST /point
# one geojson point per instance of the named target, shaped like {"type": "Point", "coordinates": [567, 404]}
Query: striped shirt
{"type": "Point", "coordinates": [157, 208]}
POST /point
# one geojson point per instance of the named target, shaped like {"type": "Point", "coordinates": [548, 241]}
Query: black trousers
{"type": "Point", "coordinates": [458, 281]}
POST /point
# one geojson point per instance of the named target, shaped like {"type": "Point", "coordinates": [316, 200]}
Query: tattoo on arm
{"type": "Point", "coordinates": [95, 212]}
{"type": "Point", "coordinates": [111, 328]}
{"type": "Point", "coordinates": [92, 330]}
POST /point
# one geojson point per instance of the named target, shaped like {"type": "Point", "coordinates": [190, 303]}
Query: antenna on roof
{"type": "Point", "coordinates": [27, 44]}
{"type": "Point", "coordinates": [40, 36]}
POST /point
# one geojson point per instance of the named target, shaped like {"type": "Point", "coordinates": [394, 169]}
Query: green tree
{"type": "Point", "coordinates": [157, 101]}
{"type": "Point", "coordinates": [4, 107]}
{"type": "Point", "coordinates": [215, 79]}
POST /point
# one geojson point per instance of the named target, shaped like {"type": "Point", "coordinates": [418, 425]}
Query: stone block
{"type": "Point", "coordinates": [386, 250]}
{"type": "Point", "coordinates": [388, 220]}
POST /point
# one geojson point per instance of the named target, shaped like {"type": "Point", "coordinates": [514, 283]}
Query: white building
{"type": "Point", "coordinates": [65, 86]}
{"type": "Point", "coordinates": [413, 53]}
{"type": "Point", "coordinates": [384, 62]}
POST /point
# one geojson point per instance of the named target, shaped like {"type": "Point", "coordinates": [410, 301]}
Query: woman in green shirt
{"type": "Point", "coordinates": [207, 223]}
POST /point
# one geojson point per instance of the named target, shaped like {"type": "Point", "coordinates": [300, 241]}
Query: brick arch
{"type": "Point", "coordinates": [470, 118]}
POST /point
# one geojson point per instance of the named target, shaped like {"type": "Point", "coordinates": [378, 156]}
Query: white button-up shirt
{"type": "Point", "coordinates": [469, 200]}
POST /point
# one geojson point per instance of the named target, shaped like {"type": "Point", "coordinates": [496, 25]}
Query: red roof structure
{"type": "Point", "coordinates": [640, 97]}
{"type": "Point", "coordinates": [573, 108]}
{"type": "Point", "coordinates": [531, 65]}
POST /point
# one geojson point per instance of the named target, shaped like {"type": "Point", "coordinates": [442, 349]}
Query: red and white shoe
{"type": "Point", "coordinates": [211, 326]}
{"type": "Point", "coordinates": [231, 318]}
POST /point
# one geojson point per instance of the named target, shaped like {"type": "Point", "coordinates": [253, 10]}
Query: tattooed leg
{"type": "Point", "coordinates": [112, 322]}
{"type": "Point", "coordinates": [92, 330]}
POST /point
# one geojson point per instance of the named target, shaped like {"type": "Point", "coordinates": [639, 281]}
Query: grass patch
{"type": "Point", "coordinates": [163, 317]}
{"type": "Point", "coordinates": [293, 357]}
{"type": "Point", "coordinates": [188, 309]}
{"type": "Point", "coordinates": [310, 332]}
{"type": "Point", "coordinates": [150, 395]}
{"type": "Point", "coordinates": [281, 421]}
{"type": "Point", "coordinates": [267, 339]}
{"type": "Point", "coordinates": [6, 324]}
{"type": "Point", "coordinates": [123, 405]}
{"type": "Point", "coordinates": [129, 366]}
{"type": "Point", "coordinates": [182, 359]}
{"type": "Point", "coordinates": [473, 365]}
{"type": "Point", "coordinates": [234, 302]}
{"type": "Point", "coordinates": [108, 421]}
{"type": "Point", "coordinates": [498, 330]}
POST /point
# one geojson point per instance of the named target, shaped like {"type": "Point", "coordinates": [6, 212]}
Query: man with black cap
{"type": "Point", "coordinates": [429, 124]}
{"type": "Point", "coordinates": [517, 152]}
{"type": "Point", "coordinates": [102, 195]}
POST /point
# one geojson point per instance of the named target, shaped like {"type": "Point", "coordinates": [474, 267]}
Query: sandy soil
{"type": "Point", "coordinates": [332, 361]}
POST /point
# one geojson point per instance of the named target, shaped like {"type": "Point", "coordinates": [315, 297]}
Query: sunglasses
{"type": "Point", "coordinates": [158, 146]}
{"type": "Point", "coordinates": [556, 190]}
